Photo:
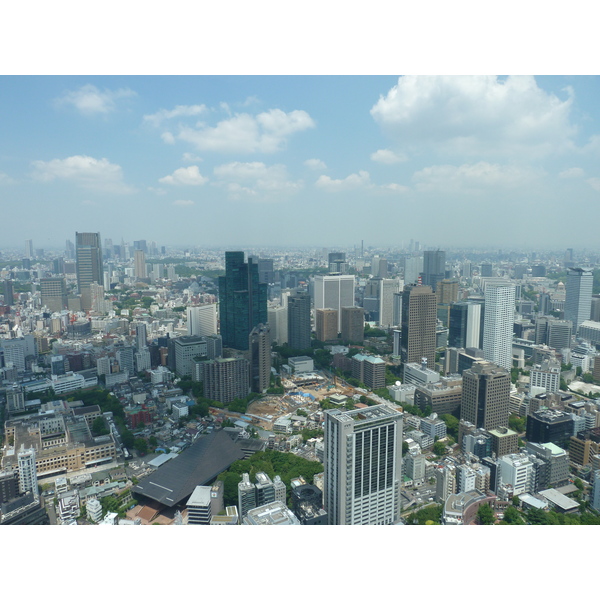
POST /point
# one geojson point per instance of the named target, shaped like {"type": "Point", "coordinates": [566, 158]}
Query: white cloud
{"type": "Point", "coordinates": [89, 100]}
{"type": "Point", "coordinates": [594, 182]}
{"type": "Point", "coordinates": [448, 178]}
{"type": "Point", "coordinates": [189, 157]}
{"type": "Point", "coordinates": [476, 115]}
{"type": "Point", "coordinates": [571, 173]}
{"type": "Point", "coordinates": [85, 171]}
{"type": "Point", "coordinates": [353, 181]}
{"type": "Point", "coordinates": [184, 203]}
{"type": "Point", "coordinates": [167, 137]}
{"type": "Point", "coordinates": [185, 176]}
{"type": "Point", "coordinates": [266, 132]}
{"type": "Point", "coordinates": [388, 157]}
{"type": "Point", "coordinates": [255, 179]}
{"type": "Point", "coordinates": [5, 179]}
{"type": "Point", "coordinates": [315, 163]}
{"type": "Point", "coordinates": [395, 187]}
{"type": "Point", "coordinates": [180, 110]}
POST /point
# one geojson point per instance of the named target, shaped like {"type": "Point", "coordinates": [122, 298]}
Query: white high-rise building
{"type": "Point", "coordinates": [578, 301]}
{"type": "Point", "coordinates": [202, 320]}
{"type": "Point", "coordinates": [498, 324]}
{"type": "Point", "coordinates": [363, 466]}
{"type": "Point", "coordinates": [387, 289]}
{"type": "Point", "coordinates": [413, 266]}
{"type": "Point", "coordinates": [278, 322]}
{"type": "Point", "coordinates": [334, 291]}
{"type": "Point", "coordinates": [546, 375]}
{"type": "Point", "coordinates": [27, 471]}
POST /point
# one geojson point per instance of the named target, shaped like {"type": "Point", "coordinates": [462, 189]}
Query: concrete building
{"type": "Point", "coordinates": [369, 369]}
{"type": "Point", "coordinates": [578, 300]}
{"type": "Point", "coordinates": [363, 466]}
{"type": "Point", "coordinates": [28, 481]}
{"type": "Point", "coordinates": [498, 324]}
{"type": "Point", "coordinates": [54, 293]}
{"type": "Point", "coordinates": [556, 465]}
{"type": "Point", "coordinates": [434, 267]}
{"type": "Point", "coordinates": [226, 379]}
{"type": "Point", "coordinates": [202, 319]}
{"type": "Point", "coordinates": [486, 395]}
{"type": "Point", "coordinates": [326, 324]}
{"type": "Point", "coordinates": [352, 324]}
{"type": "Point", "coordinates": [504, 441]}
{"type": "Point", "coordinates": [546, 375]}
{"type": "Point", "coordinates": [274, 513]}
{"type": "Point", "coordinates": [464, 328]}
{"type": "Point", "coordinates": [442, 397]}
{"type": "Point", "coordinates": [419, 318]}
{"type": "Point", "coordinates": [298, 318]}
{"type": "Point", "coordinates": [199, 506]}
{"type": "Point", "coordinates": [334, 291]}
{"type": "Point", "coordinates": [516, 470]}
{"type": "Point", "coordinates": [88, 255]}
{"type": "Point", "coordinates": [260, 358]}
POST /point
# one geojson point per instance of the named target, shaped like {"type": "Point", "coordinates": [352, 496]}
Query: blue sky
{"type": "Point", "coordinates": [301, 160]}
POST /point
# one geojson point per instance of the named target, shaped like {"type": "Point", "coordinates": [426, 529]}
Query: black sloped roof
{"type": "Point", "coordinates": [199, 464]}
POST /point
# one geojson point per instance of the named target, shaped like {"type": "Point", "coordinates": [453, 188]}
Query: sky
{"type": "Point", "coordinates": [455, 161]}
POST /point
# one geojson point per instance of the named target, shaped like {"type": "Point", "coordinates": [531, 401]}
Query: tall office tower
{"type": "Point", "coordinates": [498, 324]}
{"type": "Point", "coordinates": [58, 266]}
{"type": "Point", "coordinates": [544, 303]}
{"type": "Point", "coordinates": [88, 254]}
{"type": "Point", "coordinates": [464, 326]}
{"type": "Point", "coordinates": [140, 264]}
{"type": "Point", "coordinates": [226, 379]}
{"type": "Point", "coordinates": [27, 471]}
{"type": "Point", "coordinates": [140, 245]}
{"type": "Point", "coordinates": [266, 274]}
{"type": "Point", "coordinates": [126, 359]}
{"type": "Point", "coordinates": [299, 320]}
{"type": "Point", "coordinates": [278, 322]}
{"type": "Point", "coordinates": [387, 290]}
{"type": "Point", "coordinates": [434, 267]}
{"type": "Point", "coordinates": [559, 334]}
{"type": "Point", "coordinates": [97, 302]}
{"type": "Point", "coordinates": [379, 267]}
{"type": "Point", "coordinates": [260, 358]}
{"type": "Point", "coordinates": [353, 324]}
{"type": "Point", "coordinates": [578, 301]}
{"type": "Point", "coordinates": [465, 269]}
{"type": "Point", "coordinates": [447, 291]}
{"type": "Point", "coordinates": [69, 249]}
{"type": "Point", "coordinates": [9, 293]}
{"type": "Point", "coordinates": [326, 320]}
{"type": "Point", "coordinates": [486, 395]}
{"type": "Point", "coordinates": [202, 319]}
{"type": "Point", "coordinates": [54, 293]}
{"type": "Point", "coordinates": [595, 313]}
{"type": "Point", "coordinates": [141, 336]}
{"type": "Point", "coordinates": [397, 309]}
{"type": "Point", "coordinates": [568, 261]}
{"type": "Point", "coordinates": [28, 248]}
{"type": "Point", "coordinates": [486, 270]}
{"type": "Point", "coordinates": [413, 266]}
{"type": "Point", "coordinates": [334, 291]}
{"type": "Point", "coordinates": [419, 319]}
{"type": "Point", "coordinates": [363, 466]}
{"type": "Point", "coordinates": [242, 300]}
{"type": "Point", "coordinates": [337, 262]}
{"type": "Point", "coordinates": [396, 342]}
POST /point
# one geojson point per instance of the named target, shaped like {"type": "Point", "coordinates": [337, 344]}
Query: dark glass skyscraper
{"type": "Point", "coordinates": [299, 320]}
{"type": "Point", "coordinates": [242, 300]}
{"type": "Point", "coordinates": [434, 267]}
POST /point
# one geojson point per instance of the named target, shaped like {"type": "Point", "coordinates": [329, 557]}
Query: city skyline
{"type": "Point", "coordinates": [219, 159]}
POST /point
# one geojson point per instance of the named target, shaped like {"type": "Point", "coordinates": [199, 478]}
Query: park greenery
{"type": "Point", "coordinates": [286, 465]}
{"type": "Point", "coordinates": [429, 515]}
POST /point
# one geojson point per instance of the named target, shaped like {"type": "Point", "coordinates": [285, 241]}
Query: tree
{"type": "Point", "coordinates": [516, 501]}
{"type": "Point", "coordinates": [141, 445]}
{"type": "Point", "coordinates": [99, 427]}
{"type": "Point", "coordinates": [404, 447]}
{"type": "Point", "coordinates": [439, 448]}
{"type": "Point", "coordinates": [512, 516]}
{"type": "Point", "coordinates": [485, 514]}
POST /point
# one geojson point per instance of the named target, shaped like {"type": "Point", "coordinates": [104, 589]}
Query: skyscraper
{"type": "Point", "coordinates": [353, 325]}
{"type": "Point", "coordinates": [260, 358]}
{"type": "Point", "coordinates": [299, 320]}
{"type": "Point", "coordinates": [54, 293]}
{"type": "Point", "coordinates": [387, 289]}
{"type": "Point", "coordinates": [434, 267]}
{"type": "Point", "coordinates": [27, 471]}
{"type": "Point", "coordinates": [242, 300]}
{"type": "Point", "coordinates": [498, 324]}
{"type": "Point", "coordinates": [419, 319]}
{"type": "Point", "coordinates": [202, 319]}
{"type": "Point", "coordinates": [9, 293]}
{"type": "Point", "coordinates": [140, 264]}
{"type": "Point", "coordinates": [28, 248]}
{"type": "Point", "coordinates": [464, 326]}
{"type": "Point", "coordinates": [363, 466]}
{"type": "Point", "coordinates": [88, 254]}
{"type": "Point", "coordinates": [326, 320]}
{"type": "Point", "coordinates": [578, 301]}
{"type": "Point", "coordinates": [334, 291]}
{"type": "Point", "coordinates": [486, 395]}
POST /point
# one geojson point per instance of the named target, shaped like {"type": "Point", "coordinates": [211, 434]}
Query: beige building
{"type": "Point", "coordinates": [326, 324]}
{"type": "Point", "coordinates": [486, 395]}
{"type": "Point", "coordinates": [504, 441]}
{"type": "Point", "coordinates": [419, 319]}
